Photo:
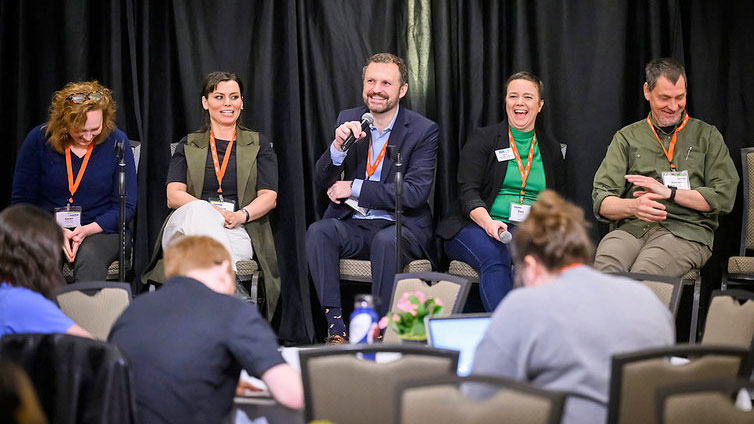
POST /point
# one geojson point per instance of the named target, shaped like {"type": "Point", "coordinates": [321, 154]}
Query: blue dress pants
{"type": "Point", "coordinates": [329, 240]}
{"type": "Point", "coordinates": [489, 257]}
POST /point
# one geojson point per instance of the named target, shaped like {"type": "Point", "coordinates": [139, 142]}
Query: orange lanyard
{"type": "Point", "coordinates": [73, 186]}
{"type": "Point", "coordinates": [523, 171]}
{"type": "Point", "coordinates": [573, 265]}
{"type": "Point", "coordinates": [669, 152]}
{"type": "Point", "coordinates": [371, 167]}
{"type": "Point", "coordinates": [220, 171]}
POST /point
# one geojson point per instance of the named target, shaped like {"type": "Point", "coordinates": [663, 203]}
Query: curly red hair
{"type": "Point", "coordinates": [66, 116]}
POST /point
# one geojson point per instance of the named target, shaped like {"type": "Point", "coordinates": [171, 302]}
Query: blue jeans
{"type": "Point", "coordinates": [490, 258]}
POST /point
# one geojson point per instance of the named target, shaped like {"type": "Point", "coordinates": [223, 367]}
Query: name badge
{"type": "Point", "coordinates": [68, 217]}
{"type": "Point", "coordinates": [504, 154]}
{"type": "Point", "coordinates": [519, 212]}
{"type": "Point", "coordinates": [226, 205]}
{"type": "Point", "coordinates": [677, 179]}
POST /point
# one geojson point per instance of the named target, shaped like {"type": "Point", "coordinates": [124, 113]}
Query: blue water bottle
{"type": "Point", "coordinates": [363, 320]}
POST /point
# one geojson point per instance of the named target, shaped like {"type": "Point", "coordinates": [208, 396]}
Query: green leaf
{"type": "Point", "coordinates": [421, 311]}
{"type": "Point", "coordinates": [418, 329]}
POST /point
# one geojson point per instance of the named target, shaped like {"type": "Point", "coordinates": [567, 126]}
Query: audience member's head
{"type": "Point", "coordinates": [553, 236]}
{"type": "Point", "coordinates": [203, 259]}
{"type": "Point", "coordinates": [18, 401]}
{"type": "Point", "coordinates": [30, 245]}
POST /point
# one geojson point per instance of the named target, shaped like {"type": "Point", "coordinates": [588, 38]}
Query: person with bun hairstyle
{"type": "Point", "coordinates": [561, 328]}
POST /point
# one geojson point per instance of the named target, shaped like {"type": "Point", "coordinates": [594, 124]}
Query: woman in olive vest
{"type": "Point", "coordinates": [222, 182]}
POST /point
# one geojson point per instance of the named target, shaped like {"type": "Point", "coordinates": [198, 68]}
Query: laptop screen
{"type": "Point", "coordinates": [461, 332]}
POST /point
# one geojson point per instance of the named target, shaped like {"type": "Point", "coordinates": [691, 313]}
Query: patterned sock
{"type": "Point", "coordinates": [335, 324]}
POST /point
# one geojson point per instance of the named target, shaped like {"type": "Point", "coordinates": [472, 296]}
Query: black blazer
{"type": "Point", "coordinates": [480, 174]}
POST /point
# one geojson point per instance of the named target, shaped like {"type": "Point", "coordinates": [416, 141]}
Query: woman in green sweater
{"type": "Point", "coordinates": [502, 169]}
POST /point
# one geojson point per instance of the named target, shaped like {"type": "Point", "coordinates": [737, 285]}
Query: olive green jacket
{"type": "Point", "coordinates": [699, 149]}
{"type": "Point", "coordinates": [260, 232]}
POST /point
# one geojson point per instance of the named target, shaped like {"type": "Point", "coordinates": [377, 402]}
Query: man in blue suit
{"type": "Point", "coordinates": [359, 221]}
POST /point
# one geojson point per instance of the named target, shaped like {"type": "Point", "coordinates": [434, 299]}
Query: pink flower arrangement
{"type": "Point", "coordinates": [408, 320]}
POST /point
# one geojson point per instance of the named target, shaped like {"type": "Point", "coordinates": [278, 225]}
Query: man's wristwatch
{"type": "Point", "coordinates": [245, 212]}
{"type": "Point", "coordinates": [672, 193]}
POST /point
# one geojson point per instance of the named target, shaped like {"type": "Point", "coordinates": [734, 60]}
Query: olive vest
{"type": "Point", "coordinates": [259, 230]}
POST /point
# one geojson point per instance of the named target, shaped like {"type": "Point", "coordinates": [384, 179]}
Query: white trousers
{"type": "Point", "coordinates": [200, 218]}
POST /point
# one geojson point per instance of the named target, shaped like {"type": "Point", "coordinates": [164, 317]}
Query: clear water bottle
{"type": "Point", "coordinates": [363, 320]}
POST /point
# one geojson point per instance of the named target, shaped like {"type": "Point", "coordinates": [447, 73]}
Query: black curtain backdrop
{"type": "Point", "coordinates": [301, 63]}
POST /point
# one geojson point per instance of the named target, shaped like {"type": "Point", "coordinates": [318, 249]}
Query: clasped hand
{"type": "Point", "coordinates": [72, 239]}
{"type": "Point", "coordinates": [646, 206]}
{"type": "Point", "coordinates": [232, 219]}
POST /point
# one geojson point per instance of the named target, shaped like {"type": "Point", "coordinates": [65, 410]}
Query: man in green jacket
{"type": "Point", "coordinates": [664, 181]}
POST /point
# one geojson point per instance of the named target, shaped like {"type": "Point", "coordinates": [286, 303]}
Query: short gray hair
{"type": "Point", "coordinates": [670, 68]}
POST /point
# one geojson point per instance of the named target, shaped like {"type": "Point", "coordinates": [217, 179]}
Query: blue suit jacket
{"type": "Point", "coordinates": [416, 139]}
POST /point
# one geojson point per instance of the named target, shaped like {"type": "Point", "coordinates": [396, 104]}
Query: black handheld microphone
{"type": "Point", "coordinates": [505, 236]}
{"type": "Point", "coordinates": [366, 121]}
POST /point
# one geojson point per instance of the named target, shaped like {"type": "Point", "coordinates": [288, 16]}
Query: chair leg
{"type": "Point", "coordinates": [695, 310]}
{"type": "Point", "coordinates": [254, 289]}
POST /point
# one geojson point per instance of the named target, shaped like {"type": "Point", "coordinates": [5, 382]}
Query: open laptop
{"type": "Point", "coordinates": [461, 332]}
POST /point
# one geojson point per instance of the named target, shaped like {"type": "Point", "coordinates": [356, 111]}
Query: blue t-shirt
{"type": "Point", "coordinates": [26, 311]}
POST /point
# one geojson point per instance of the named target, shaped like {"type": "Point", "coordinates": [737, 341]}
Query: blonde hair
{"type": "Point", "coordinates": [193, 253]}
{"type": "Point", "coordinates": [554, 233]}
{"type": "Point", "coordinates": [66, 116]}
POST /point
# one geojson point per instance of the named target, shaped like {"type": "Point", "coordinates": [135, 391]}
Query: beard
{"type": "Point", "coordinates": [665, 121]}
{"type": "Point", "coordinates": [386, 106]}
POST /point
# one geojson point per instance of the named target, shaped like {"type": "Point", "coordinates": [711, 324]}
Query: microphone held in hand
{"type": "Point", "coordinates": [366, 121]}
{"type": "Point", "coordinates": [505, 236]}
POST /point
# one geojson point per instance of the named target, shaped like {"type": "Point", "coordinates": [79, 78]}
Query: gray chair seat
{"type": "Point", "coordinates": [361, 270]}
{"type": "Point", "coordinates": [462, 269]}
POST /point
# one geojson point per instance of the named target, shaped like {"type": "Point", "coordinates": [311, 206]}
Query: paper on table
{"type": "Point", "coordinates": [255, 382]}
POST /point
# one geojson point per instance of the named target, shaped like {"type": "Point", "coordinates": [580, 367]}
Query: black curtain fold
{"type": "Point", "coordinates": [301, 63]}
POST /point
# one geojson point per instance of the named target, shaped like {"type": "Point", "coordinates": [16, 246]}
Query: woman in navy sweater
{"type": "Point", "coordinates": [68, 166]}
